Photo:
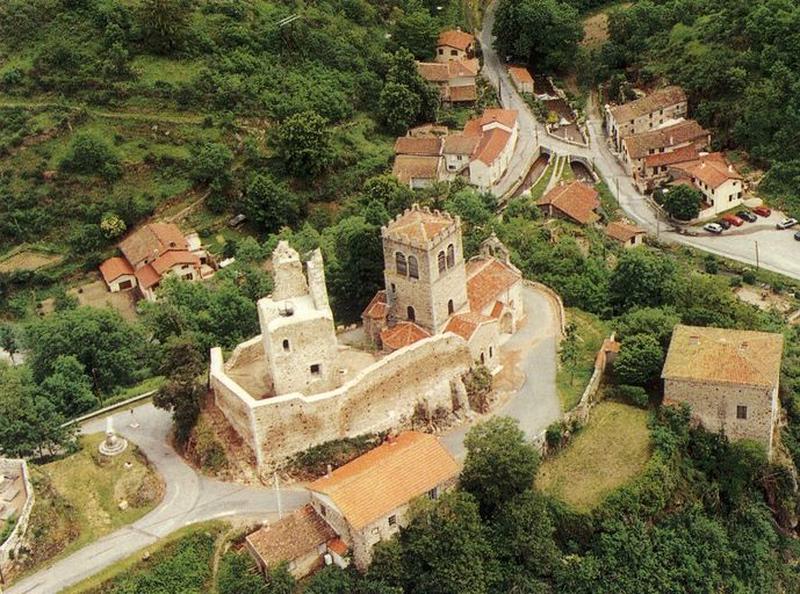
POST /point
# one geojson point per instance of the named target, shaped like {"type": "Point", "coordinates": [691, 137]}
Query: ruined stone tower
{"type": "Point", "coordinates": [424, 267]}
{"type": "Point", "coordinates": [297, 326]}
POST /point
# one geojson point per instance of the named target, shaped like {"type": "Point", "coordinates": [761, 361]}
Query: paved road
{"type": "Point", "coordinates": [189, 498]}
{"type": "Point", "coordinates": [532, 350]}
{"type": "Point", "coordinates": [777, 250]}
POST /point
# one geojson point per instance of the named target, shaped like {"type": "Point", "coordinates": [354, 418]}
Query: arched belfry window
{"type": "Point", "coordinates": [413, 267]}
{"type": "Point", "coordinates": [400, 263]}
{"type": "Point", "coordinates": [411, 314]}
{"type": "Point", "coordinates": [441, 262]}
{"type": "Point", "coordinates": [450, 307]}
{"type": "Point", "coordinates": [451, 256]}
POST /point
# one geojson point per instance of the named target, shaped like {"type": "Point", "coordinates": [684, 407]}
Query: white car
{"type": "Point", "coordinates": [713, 228]}
{"type": "Point", "coordinates": [786, 223]}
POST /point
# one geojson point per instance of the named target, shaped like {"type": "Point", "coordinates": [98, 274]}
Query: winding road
{"type": "Point", "coordinates": [755, 244]}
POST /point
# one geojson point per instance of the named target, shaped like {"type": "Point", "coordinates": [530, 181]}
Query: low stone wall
{"type": "Point", "coordinates": [562, 316]}
{"type": "Point", "coordinates": [10, 548]}
{"type": "Point", "coordinates": [382, 396]}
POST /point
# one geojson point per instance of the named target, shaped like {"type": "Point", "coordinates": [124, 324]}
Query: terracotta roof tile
{"type": "Point", "coordinates": [422, 146]}
{"type": "Point", "coordinates": [655, 101]}
{"type": "Point", "coordinates": [377, 308]}
{"type": "Point", "coordinates": [497, 310]}
{"type": "Point", "coordinates": [638, 145]}
{"type": "Point", "coordinates": [146, 276]}
{"type": "Point", "coordinates": [436, 72]}
{"type": "Point", "coordinates": [291, 537]}
{"type": "Point", "coordinates": [456, 39]}
{"type": "Point", "coordinates": [338, 546]}
{"type": "Point", "coordinates": [577, 200]}
{"type": "Point", "coordinates": [725, 356]}
{"type": "Point", "coordinates": [623, 232]}
{"type": "Point", "coordinates": [150, 241]}
{"type": "Point", "coordinates": [408, 167]}
{"type": "Point", "coordinates": [491, 145]}
{"type": "Point", "coordinates": [465, 324]}
{"type": "Point", "coordinates": [459, 144]}
{"type": "Point", "coordinates": [463, 68]}
{"type": "Point", "coordinates": [520, 74]}
{"type": "Point", "coordinates": [420, 224]}
{"type": "Point", "coordinates": [387, 477]}
{"type": "Point", "coordinates": [402, 334]}
{"type": "Point", "coordinates": [712, 169]}
{"type": "Point", "coordinates": [679, 155]}
{"type": "Point", "coordinates": [506, 117]}
{"type": "Point", "coordinates": [463, 93]}
{"type": "Point", "coordinates": [172, 258]}
{"type": "Point", "coordinates": [488, 279]}
{"type": "Point", "coordinates": [115, 267]}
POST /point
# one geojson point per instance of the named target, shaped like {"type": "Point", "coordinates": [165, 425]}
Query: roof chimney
{"type": "Point", "coordinates": [730, 167]}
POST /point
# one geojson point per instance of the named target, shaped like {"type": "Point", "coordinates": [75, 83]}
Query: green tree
{"type": "Point", "coordinates": [331, 580]}
{"type": "Point", "coordinates": [683, 202]}
{"type": "Point", "coordinates": [639, 360]}
{"type": "Point", "coordinates": [165, 23]}
{"type": "Point", "coordinates": [642, 278]}
{"type": "Point", "coordinates": [68, 387]}
{"type": "Point", "coordinates": [569, 350]}
{"type": "Point", "coordinates": [8, 340]}
{"type": "Point", "coordinates": [399, 107]}
{"type": "Point", "coordinates": [112, 225]}
{"type": "Point", "coordinates": [416, 30]}
{"type": "Point", "coordinates": [657, 322]}
{"type": "Point", "coordinates": [304, 143]}
{"type": "Point", "coordinates": [182, 393]}
{"type": "Point", "coordinates": [90, 155]}
{"type": "Point", "coordinates": [406, 97]}
{"type": "Point", "coordinates": [270, 204]}
{"type": "Point", "coordinates": [500, 463]}
{"type": "Point", "coordinates": [210, 164]}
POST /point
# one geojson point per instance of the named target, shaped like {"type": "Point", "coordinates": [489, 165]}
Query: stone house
{"type": "Point", "coordinates": [717, 180]}
{"type": "Point", "coordinates": [418, 161]}
{"type": "Point", "coordinates": [637, 147]}
{"type": "Point", "coordinates": [656, 167]}
{"type": "Point", "coordinates": [455, 79]}
{"type": "Point", "coordinates": [730, 378]}
{"type": "Point", "coordinates": [149, 254]}
{"type": "Point", "coordinates": [521, 78]}
{"type": "Point", "coordinates": [574, 201]}
{"type": "Point", "coordinates": [367, 500]}
{"type": "Point", "coordinates": [457, 152]}
{"type": "Point", "coordinates": [627, 235]}
{"type": "Point", "coordinates": [644, 114]}
{"type": "Point", "coordinates": [496, 131]}
{"type": "Point", "coordinates": [302, 540]}
{"type": "Point", "coordinates": [455, 45]}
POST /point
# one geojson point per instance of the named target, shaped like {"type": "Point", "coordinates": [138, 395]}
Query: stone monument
{"type": "Point", "coordinates": [112, 445]}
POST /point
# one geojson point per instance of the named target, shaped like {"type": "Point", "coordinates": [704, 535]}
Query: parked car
{"type": "Point", "coordinates": [797, 235]}
{"type": "Point", "coordinates": [747, 216]}
{"type": "Point", "coordinates": [786, 223]}
{"type": "Point", "coordinates": [733, 220]}
{"type": "Point", "coordinates": [724, 224]}
{"type": "Point", "coordinates": [713, 228]}
{"type": "Point", "coordinates": [762, 211]}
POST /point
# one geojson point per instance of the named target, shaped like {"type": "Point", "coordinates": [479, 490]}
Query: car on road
{"type": "Point", "coordinates": [786, 223]}
{"type": "Point", "coordinates": [724, 224]}
{"type": "Point", "coordinates": [762, 211]}
{"type": "Point", "coordinates": [732, 219]}
{"type": "Point", "coordinates": [797, 235]}
{"type": "Point", "coordinates": [747, 216]}
{"type": "Point", "coordinates": [713, 228]}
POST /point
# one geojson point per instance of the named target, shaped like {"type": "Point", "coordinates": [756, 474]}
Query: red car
{"type": "Point", "coordinates": [762, 211]}
{"type": "Point", "coordinates": [732, 219]}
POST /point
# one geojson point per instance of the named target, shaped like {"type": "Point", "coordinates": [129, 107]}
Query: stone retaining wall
{"type": "Point", "coordinates": [10, 548]}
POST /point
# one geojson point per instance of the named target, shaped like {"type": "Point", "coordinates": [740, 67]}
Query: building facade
{"type": "Point", "coordinates": [644, 114]}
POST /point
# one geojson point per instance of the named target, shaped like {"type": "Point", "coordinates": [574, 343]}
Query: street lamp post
{"type": "Point", "coordinates": [757, 262]}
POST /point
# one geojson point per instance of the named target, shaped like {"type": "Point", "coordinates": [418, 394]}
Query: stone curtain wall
{"type": "Point", "coordinates": [12, 545]}
{"type": "Point", "coordinates": [381, 397]}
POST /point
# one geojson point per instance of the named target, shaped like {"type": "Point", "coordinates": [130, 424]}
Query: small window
{"type": "Point", "coordinates": [440, 258]}
{"type": "Point", "coordinates": [393, 288]}
{"type": "Point", "coordinates": [286, 344]}
{"type": "Point", "coordinates": [441, 51]}
{"type": "Point", "coordinates": [483, 359]}
{"type": "Point", "coordinates": [413, 267]}
{"type": "Point", "coordinates": [316, 369]}
{"type": "Point", "coordinates": [450, 307]}
{"type": "Point", "coordinates": [392, 520]}
{"type": "Point", "coordinates": [433, 493]}
{"type": "Point", "coordinates": [322, 510]}
{"type": "Point", "coordinates": [451, 256]}
{"type": "Point", "coordinates": [453, 52]}
{"type": "Point", "coordinates": [400, 263]}
{"type": "Point", "coordinates": [411, 314]}
{"type": "Point", "coordinates": [741, 412]}
{"type": "Point", "coordinates": [491, 352]}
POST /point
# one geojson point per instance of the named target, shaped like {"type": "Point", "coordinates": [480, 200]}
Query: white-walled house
{"type": "Point", "coordinates": [455, 45]}
{"type": "Point", "coordinates": [717, 180]}
{"type": "Point", "coordinates": [497, 130]}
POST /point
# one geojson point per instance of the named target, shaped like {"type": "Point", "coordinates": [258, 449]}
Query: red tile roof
{"type": "Point", "coordinates": [712, 169]}
{"type": "Point", "coordinates": [436, 72]}
{"type": "Point", "coordinates": [338, 546]}
{"type": "Point", "coordinates": [463, 93]}
{"type": "Point", "coordinates": [387, 477]}
{"type": "Point", "coordinates": [465, 324]}
{"type": "Point", "coordinates": [463, 68]}
{"type": "Point", "coordinates": [172, 258]}
{"type": "Point", "coordinates": [639, 145]}
{"type": "Point", "coordinates": [666, 97]}
{"type": "Point", "coordinates": [460, 144]}
{"type": "Point", "coordinates": [402, 334]}
{"type": "Point", "coordinates": [679, 155]}
{"type": "Point", "coordinates": [147, 276]}
{"type": "Point", "coordinates": [623, 232]}
{"type": "Point", "coordinates": [520, 74]}
{"type": "Point", "coordinates": [421, 146]}
{"type": "Point", "coordinates": [150, 241]}
{"type": "Point", "coordinates": [488, 279]}
{"type": "Point", "coordinates": [292, 537]}
{"type": "Point", "coordinates": [491, 145]}
{"type": "Point", "coordinates": [421, 224]}
{"type": "Point", "coordinates": [460, 40]}
{"type": "Point", "coordinates": [506, 117]}
{"type": "Point", "coordinates": [377, 308]}
{"type": "Point", "coordinates": [115, 267]}
{"type": "Point", "coordinates": [409, 167]}
{"type": "Point", "coordinates": [577, 200]}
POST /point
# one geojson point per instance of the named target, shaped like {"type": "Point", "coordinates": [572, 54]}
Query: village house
{"type": "Point", "coordinates": [152, 252]}
{"type": "Point", "coordinates": [455, 45]}
{"type": "Point", "coordinates": [656, 167]}
{"type": "Point", "coordinates": [367, 500]}
{"type": "Point", "coordinates": [302, 540]}
{"type": "Point", "coordinates": [716, 179]}
{"type": "Point", "coordinates": [496, 131]}
{"type": "Point", "coordinates": [431, 289]}
{"type": "Point", "coordinates": [644, 114]}
{"type": "Point", "coordinates": [574, 201]}
{"type": "Point", "coordinates": [521, 78]}
{"type": "Point", "coordinates": [637, 147]}
{"type": "Point", "coordinates": [455, 79]}
{"type": "Point", "coordinates": [418, 160]}
{"type": "Point", "coordinates": [729, 378]}
{"type": "Point", "coordinates": [627, 235]}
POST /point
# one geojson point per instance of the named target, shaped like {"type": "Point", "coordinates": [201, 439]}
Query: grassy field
{"type": "Point", "coordinates": [608, 452]}
{"type": "Point", "coordinates": [78, 497]}
{"type": "Point", "coordinates": [591, 332]}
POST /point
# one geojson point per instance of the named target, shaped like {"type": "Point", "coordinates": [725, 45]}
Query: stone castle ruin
{"type": "Point", "coordinates": [296, 386]}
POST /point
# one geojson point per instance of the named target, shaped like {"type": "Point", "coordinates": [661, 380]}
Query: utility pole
{"type": "Point", "coordinates": [278, 495]}
{"type": "Point", "coordinates": [616, 179]}
{"type": "Point", "coordinates": [757, 263]}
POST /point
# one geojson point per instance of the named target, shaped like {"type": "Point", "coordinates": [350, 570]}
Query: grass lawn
{"type": "Point", "coordinates": [608, 202]}
{"type": "Point", "coordinates": [186, 554]}
{"type": "Point", "coordinates": [77, 499]}
{"type": "Point", "coordinates": [537, 190]}
{"type": "Point", "coordinates": [591, 332]}
{"type": "Point", "coordinates": [608, 452]}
